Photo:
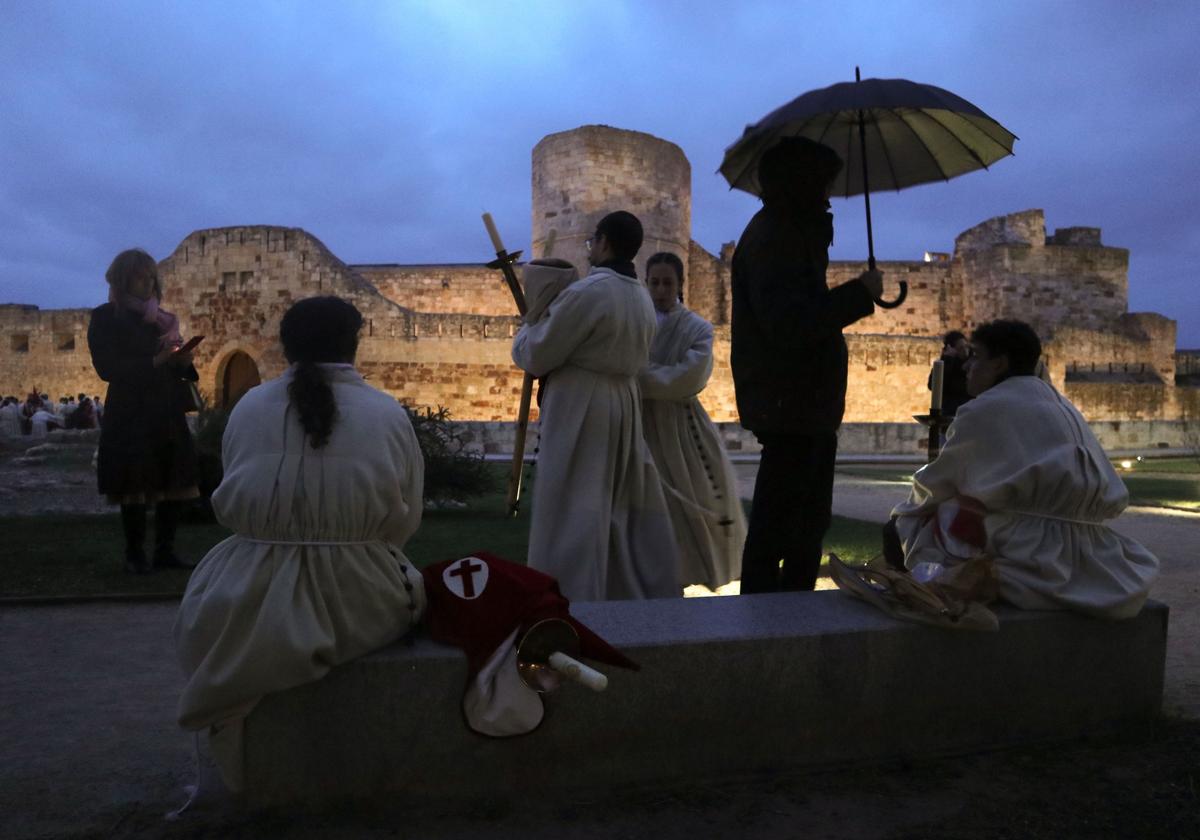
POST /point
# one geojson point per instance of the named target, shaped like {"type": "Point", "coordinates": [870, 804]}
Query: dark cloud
{"type": "Point", "coordinates": [385, 129]}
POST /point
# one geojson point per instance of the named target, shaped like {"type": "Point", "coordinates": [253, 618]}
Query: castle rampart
{"type": "Point", "coordinates": [580, 175]}
{"type": "Point", "coordinates": [441, 334]}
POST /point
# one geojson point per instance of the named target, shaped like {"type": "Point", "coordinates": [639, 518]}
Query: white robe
{"type": "Point", "coordinates": [39, 423]}
{"type": "Point", "coordinates": [264, 611]}
{"type": "Point", "coordinates": [1027, 455]}
{"type": "Point", "coordinates": [710, 527]}
{"type": "Point", "coordinates": [600, 522]}
{"type": "Point", "coordinates": [10, 420]}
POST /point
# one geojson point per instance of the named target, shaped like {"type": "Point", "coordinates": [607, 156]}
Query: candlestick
{"type": "Point", "coordinates": [935, 399]}
{"type": "Point", "coordinates": [497, 243]}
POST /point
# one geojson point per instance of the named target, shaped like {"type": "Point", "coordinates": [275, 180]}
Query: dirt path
{"type": "Point", "coordinates": [90, 749]}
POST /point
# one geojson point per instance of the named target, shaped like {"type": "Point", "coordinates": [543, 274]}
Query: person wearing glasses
{"type": "Point", "coordinates": [1023, 481]}
{"type": "Point", "coordinates": [600, 523]}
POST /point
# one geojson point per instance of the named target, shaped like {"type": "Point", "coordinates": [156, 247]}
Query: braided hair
{"type": "Point", "coordinates": [314, 331]}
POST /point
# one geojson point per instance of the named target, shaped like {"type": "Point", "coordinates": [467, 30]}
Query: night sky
{"type": "Point", "coordinates": [384, 129]}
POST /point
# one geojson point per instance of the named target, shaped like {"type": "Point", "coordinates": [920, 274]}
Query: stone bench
{"type": "Point", "coordinates": [728, 686]}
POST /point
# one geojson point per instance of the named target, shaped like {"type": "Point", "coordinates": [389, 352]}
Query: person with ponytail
{"type": "Point", "coordinates": [322, 489]}
{"type": "Point", "coordinates": [146, 455]}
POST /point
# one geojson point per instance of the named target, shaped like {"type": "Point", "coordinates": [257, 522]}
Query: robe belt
{"type": "Point", "coordinates": [311, 542]}
{"type": "Point", "coordinates": [1099, 522]}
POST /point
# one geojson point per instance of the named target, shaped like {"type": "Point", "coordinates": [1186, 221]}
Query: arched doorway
{"type": "Point", "coordinates": [239, 376]}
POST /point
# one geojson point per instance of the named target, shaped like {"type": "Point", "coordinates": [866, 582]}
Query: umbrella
{"type": "Point", "coordinates": [902, 133]}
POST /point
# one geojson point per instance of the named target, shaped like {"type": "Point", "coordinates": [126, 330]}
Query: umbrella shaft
{"type": "Point", "coordinates": [862, 140]}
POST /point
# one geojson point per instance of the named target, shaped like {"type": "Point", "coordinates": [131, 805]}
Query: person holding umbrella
{"type": "Point", "coordinates": [789, 360]}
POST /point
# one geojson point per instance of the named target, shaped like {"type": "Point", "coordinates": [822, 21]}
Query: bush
{"type": "Point", "coordinates": [452, 474]}
{"type": "Point", "coordinates": [209, 429]}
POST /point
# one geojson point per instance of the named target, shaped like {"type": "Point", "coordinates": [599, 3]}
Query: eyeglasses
{"type": "Point", "coordinates": [592, 240]}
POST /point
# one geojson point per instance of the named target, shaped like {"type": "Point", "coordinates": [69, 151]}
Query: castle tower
{"type": "Point", "coordinates": [581, 175]}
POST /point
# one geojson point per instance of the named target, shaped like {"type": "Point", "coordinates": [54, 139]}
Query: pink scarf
{"type": "Point", "coordinates": [166, 323]}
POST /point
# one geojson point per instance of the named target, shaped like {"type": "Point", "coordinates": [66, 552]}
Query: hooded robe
{"type": "Point", "coordinates": [1023, 480]}
{"type": "Point", "coordinates": [701, 489]}
{"type": "Point", "coordinates": [600, 524]}
{"type": "Point", "coordinates": [315, 574]}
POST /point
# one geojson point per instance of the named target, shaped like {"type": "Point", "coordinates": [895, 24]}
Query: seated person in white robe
{"type": "Point", "coordinates": [701, 490]}
{"type": "Point", "coordinates": [1023, 480]}
{"type": "Point", "coordinates": [322, 487]}
{"type": "Point", "coordinates": [600, 523]}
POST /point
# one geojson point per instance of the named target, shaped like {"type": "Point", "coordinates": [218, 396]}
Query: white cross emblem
{"type": "Point", "coordinates": [467, 578]}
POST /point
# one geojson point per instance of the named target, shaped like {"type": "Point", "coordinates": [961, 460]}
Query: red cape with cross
{"type": "Point", "coordinates": [481, 601]}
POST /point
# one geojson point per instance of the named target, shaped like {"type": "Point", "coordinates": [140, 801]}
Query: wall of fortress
{"type": "Point", "coordinates": [441, 334]}
{"type": "Point", "coordinates": [233, 285]}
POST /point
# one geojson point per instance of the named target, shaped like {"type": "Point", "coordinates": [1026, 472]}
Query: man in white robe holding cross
{"type": "Point", "coordinates": [600, 521]}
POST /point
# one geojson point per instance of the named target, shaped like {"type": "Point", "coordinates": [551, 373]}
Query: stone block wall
{"type": "Point", "coordinates": [583, 174]}
{"type": "Point", "coordinates": [934, 297]}
{"type": "Point", "coordinates": [461, 289]}
{"type": "Point", "coordinates": [46, 350]}
{"type": "Point", "coordinates": [1138, 347]}
{"type": "Point", "coordinates": [233, 285]}
{"type": "Point", "coordinates": [706, 289]}
{"type": "Point", "coordinates": [1012, 271]}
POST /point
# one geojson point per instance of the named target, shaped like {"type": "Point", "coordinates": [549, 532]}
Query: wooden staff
{"type": "Point", "coordinates": [504, 261]}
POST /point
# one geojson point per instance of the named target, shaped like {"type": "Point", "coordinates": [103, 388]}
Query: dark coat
{"type": "Point", "coordinates": [145, 445]}
{"type": "Point", "coordinates": [788, 356]}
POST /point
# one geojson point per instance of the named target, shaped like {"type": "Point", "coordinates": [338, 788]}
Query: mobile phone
{"type": "Point", "coordinates": [191, 344]}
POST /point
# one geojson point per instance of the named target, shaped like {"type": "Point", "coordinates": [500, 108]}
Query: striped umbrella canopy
{"type": "Point", "coordinates": [912, 134]}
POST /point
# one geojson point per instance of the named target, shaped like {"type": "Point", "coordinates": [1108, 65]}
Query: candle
{"type": "Point", "coordinates": [935, 386]}
{"type": "Point", "coordinates": [493, 233]}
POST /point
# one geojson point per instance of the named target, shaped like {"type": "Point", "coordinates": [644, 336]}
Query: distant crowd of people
{"type": "Point", "coordinates": [37, 415]}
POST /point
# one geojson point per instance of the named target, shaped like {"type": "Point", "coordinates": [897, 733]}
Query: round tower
{"type": "Point", "coordinates": [581, 175]}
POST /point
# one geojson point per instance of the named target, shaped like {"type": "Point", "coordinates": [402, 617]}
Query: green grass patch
{"type": "Point", "coordinates": [1159, 465]}
{"type": "Point", "coordinates": [888, 472]}
{"type": "Point", "coordinates": [1164, 490]}
{"type": "Point", "coordinates": [49, 556]}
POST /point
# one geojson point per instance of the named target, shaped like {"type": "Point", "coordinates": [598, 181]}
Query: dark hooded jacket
{"type": "Point", "coordinates": [788, 356]}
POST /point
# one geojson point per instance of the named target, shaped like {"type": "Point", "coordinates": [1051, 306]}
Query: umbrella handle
{"type": "Point", "coordinates": [892, 304]}
{"type": "Point", "coordinates": [573, 669]}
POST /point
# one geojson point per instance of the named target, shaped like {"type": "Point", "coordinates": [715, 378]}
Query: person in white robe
{"type": "Point", "coordinates": [701, 489]}
{"type": "Point", "coordinates": [322, 488]}
{"type": "Point", "coordinates": [42, 423]}
{"type": "Point", "coordinates": [1023, 480]}
{"type": "Point", "coordinates": [10, 418]}
{"type": "Point", "coordinates": [599, 523]}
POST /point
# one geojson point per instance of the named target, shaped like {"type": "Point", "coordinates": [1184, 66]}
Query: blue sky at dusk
{"type": "Point", "coordinates": [384, 129]}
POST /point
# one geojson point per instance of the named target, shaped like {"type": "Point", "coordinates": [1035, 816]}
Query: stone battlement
{"type": "Point", "coordinates": [438, 334]}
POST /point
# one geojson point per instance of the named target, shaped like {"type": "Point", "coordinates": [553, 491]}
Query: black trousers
{"type": "Point", "coordinates": [792, 510]}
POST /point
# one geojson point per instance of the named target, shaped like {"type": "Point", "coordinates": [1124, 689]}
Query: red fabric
{"type": "Point", "coordinates": [512, 597]}
{"type": "Point", "coordinates": [967, 524]}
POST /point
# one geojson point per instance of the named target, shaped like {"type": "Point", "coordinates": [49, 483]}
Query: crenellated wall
{"type": "Point", "coordinates": [441, 334]}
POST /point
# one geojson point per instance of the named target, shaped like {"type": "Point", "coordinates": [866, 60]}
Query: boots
{"type": "Point", "coordinates": [133, 523]}
{"type": "Point", "coordinates": [166, 522]}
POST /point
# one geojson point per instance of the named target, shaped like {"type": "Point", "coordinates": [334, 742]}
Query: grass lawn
{"type": "Point", "coordinates": [883, 472]}
{"type": "Point", "coordinates": [1164, 490]}
{"type": "Point", "coordinates": [82, 555]}
{"type": "Point", "coordinates": [1162, 465]}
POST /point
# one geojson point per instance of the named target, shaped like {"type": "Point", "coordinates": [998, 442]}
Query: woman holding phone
{"type": "Point", "coordinates": [146, 455]}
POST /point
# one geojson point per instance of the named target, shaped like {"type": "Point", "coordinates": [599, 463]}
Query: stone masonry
{"type": "Point", "coordinates": [440, 334]}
